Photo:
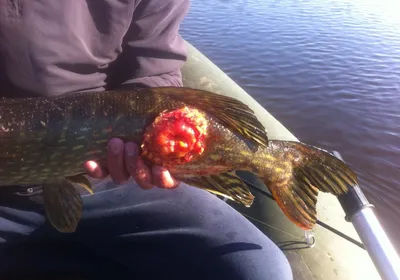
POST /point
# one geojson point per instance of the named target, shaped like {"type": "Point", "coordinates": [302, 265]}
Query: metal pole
{"type": "Point", "coordinates": [377, 243]}
{"type": "Point", "coordinates": [360, 213]}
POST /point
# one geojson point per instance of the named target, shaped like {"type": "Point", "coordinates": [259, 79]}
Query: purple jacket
{"type": "Point", "coordinates": [53, 47]}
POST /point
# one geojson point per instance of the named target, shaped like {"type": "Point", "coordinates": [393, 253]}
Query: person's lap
{"type": "Point", "coordinates": [185, 233]}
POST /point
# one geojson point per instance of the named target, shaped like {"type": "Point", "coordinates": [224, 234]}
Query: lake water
{"type": "Point", "coordinates": [328, 70]}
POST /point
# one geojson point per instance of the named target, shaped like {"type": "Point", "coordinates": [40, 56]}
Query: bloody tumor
{"type": "Point", "coordinates": [175, 137]}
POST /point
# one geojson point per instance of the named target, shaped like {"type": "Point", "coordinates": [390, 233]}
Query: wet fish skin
{"type": "Point", "coordinates": [42, 138]}
{"type": "Point", "coordinates": [294, 172]}
{"type": "Point", "coordinates": [45, 139]}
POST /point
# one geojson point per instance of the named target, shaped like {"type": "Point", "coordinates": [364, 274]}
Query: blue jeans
{"type": "Point", "coordinates": [127, 232]}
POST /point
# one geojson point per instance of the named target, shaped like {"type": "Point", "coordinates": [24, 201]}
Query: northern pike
{"type": "Point", "coordinates": [202, 137]}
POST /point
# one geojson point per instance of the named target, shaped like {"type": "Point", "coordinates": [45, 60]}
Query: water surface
{"type": "Point", "coordinates": [328, 70]}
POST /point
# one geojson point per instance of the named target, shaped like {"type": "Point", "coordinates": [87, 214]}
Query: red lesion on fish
{"type": "Point", "coordinates": [175, 137]}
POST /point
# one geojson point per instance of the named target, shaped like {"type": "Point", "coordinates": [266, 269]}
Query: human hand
{"type": "Point", "coordinates": [124, 161]}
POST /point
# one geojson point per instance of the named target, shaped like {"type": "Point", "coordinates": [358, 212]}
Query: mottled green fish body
{"type": "Point", "coordinates": [47, 140]}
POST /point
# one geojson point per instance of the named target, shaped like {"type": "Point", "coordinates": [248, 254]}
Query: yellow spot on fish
{"type": "Point", "coordinates": [269, 157]}
{"type": "Point", "coordinates": [102, 141]}
{"type": "Point", "coordinates": [92, 152]}
{"type": "Point", "coordinates": [78, 147]}
{"type": "Point", "coordinates": [278, 170]}
{"type": "Point", "coordinates": [245, 153]}
{"type": "Point", "coordinates": [214, 157]}
{"type": "Point", "coordinates": [287, 164]}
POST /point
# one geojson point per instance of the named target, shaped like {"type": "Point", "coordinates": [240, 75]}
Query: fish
{"type": "Point", "coordinates": [202, 137]}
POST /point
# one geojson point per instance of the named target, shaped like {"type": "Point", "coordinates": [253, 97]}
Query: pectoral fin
{"type": "Point", "coordinates": [227, 184]}
{"type": "Point", "coordinates": [82, 181]}
{"type": "Point", "coordinates": [63, 205]}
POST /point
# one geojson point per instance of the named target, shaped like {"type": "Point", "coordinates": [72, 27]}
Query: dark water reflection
{"type": "Point", "coordinates": [328, 70]}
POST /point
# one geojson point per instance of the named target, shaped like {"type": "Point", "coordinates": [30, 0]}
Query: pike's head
{"type": "Point", "coordinates": [175, 137]}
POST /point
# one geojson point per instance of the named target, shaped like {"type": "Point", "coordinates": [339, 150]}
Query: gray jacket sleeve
{"type": "Point", "coordinates": [153, 51]}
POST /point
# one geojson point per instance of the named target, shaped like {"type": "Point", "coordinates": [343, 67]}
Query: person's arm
{"type": "Point", "coordinates": [152, 56]}
{"type": "Point", "coordinates": [153, 51]}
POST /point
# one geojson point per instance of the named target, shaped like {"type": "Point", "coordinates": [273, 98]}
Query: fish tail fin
{"type": "Point", "coordinates": [302, 171]}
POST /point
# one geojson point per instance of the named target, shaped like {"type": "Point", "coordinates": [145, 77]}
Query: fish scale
{"type": "Point", "coordinates": [46, 140]}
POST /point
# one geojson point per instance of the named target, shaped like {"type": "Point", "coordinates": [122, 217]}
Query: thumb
{"type": "Point", "coordinates": [94, 170]}
{"type": "Point", "coordinates": [162, 178]}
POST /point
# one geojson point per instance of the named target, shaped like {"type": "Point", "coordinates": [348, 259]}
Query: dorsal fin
{"type": "Point", "coordinates": [231, 112]}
